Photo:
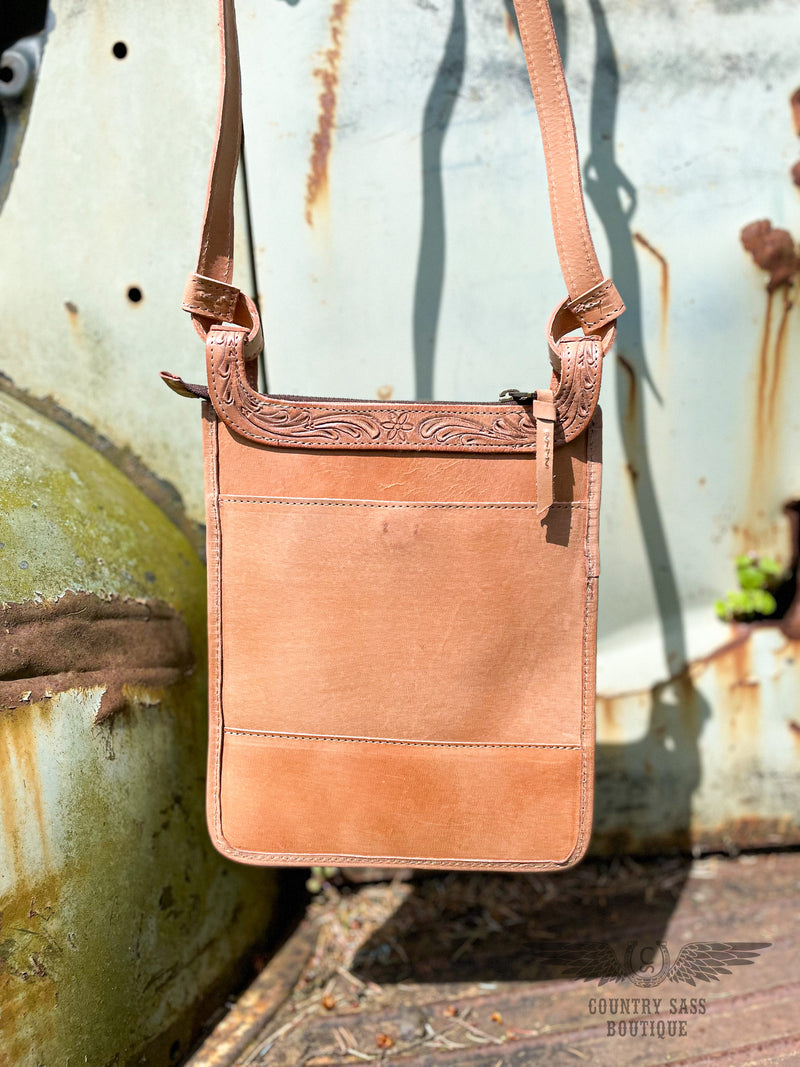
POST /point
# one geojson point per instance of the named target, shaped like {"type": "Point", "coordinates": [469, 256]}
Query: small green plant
{"type": "Point", "coordinates": [319, 876]}
{"type": "Point", "coordinates": [759, 577]}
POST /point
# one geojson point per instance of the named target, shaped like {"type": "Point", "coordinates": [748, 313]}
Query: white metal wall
{"type": "Point", "coordinates": [413, 255]}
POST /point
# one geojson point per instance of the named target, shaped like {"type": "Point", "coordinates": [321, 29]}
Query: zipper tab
{"type": "Point", "coordinates": [544, 418]}
{"type": "Point", "coordinates": [509, 395]}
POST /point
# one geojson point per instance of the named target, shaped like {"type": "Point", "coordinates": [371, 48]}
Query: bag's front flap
{"type": "Point", "coordinates": [435, 427]}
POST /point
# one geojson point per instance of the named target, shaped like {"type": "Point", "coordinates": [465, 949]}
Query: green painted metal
{"type": "Point", "coordinates": [119, 923]}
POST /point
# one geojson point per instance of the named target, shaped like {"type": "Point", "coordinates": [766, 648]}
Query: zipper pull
{"type": "Point", "coordinates": [544, 419]}
{"type": "Point", "coordinates": [509, 395]}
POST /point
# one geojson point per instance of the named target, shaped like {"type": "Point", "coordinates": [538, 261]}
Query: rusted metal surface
{"type": "Point", "coordinates": [120, 927]}
{"type": "Point", "coordinates": [469, 969]}
{"type": "Point", "coordinates": [708, 759]}
{"type": "Point", "coordinates": [434, 271]}
{"type": "Point", "coordinates": [663, 266]}
{"type": "Point", "coordinates": [81, 641]}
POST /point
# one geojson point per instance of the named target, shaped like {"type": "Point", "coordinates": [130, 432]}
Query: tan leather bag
{"type": "Point", "coordinates": [402, 596]}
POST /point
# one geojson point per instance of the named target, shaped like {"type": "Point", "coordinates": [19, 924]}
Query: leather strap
{"type": "Point", "coordinates": [593, 301]}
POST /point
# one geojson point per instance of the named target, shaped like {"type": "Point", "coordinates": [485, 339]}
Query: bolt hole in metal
{"type": "Point", "coordinates": [135, 294]}
{"type": "Point", "coordinates": [120, 49]}
{"type": "Point", "coordinates": [17, 67]}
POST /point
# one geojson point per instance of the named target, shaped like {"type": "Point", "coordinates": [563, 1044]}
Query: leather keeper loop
{"type": "Point", "coordinates": [597, 307]}
{"type": "Point", "coordinates": [245, 317]}
{"type": "Point", "coordinates": [210, 298]}
{"type": "Point", "coordinates": [563, 322]}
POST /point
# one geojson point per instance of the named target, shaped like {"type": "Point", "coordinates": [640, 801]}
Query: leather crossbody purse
{"type": "Point", "coordinates": [402, 596]}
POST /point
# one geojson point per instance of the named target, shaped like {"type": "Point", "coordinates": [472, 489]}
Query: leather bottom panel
{"type": "Point", "coordinates": [398, 802]}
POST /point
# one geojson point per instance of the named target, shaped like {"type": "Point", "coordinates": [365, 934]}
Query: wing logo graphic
{"type": "Point", "coordinates": [697, 961]}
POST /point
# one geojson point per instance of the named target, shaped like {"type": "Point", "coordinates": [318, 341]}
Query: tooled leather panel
{"type": "Point", "coordinates": [328, 424]}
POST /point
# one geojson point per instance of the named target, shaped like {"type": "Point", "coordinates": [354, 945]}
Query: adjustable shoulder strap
{"type": "Point", "coordinates": [593, 301]}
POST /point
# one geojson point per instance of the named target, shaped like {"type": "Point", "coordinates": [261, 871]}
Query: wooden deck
{"type": "Point", "coordinates": [463, 970]}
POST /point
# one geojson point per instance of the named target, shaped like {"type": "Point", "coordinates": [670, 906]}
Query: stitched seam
{"type": "Point", "coordinates": [215, 559]}
{"type": "Point", "coordinates": [231, 35]}
{"type": "Point", "coordinates": [225, 294]}
{"type": "Point", "coordinates": [215, 305]}
{"type": "Point", "coordinates": [588, 606]}
{"type": "Point", "coordinates": [593, 300]}
{"type": "Point", "coordinates": [207, 286]}
{"type": "Point", "coordinates": [218, 134]}
{"type": "Point", "coordinates": [354, 859]}
{"type": "Point", "coordinates": [600, 320]}
{"type": "Point", "coordinates": [590, 320]}
{"type": "Point", "coordinates": [378, 504]}
{"type": "Point", "coordinates": [598, 292]}
{"type": "Point", "coordinates": [269, 735]}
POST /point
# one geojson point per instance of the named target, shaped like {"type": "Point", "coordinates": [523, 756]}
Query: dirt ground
{"type": "Point", "coordinates": [583, 966]}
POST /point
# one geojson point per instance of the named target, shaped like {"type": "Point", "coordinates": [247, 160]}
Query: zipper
{"type": "Point", "coordinates": [508, 396]}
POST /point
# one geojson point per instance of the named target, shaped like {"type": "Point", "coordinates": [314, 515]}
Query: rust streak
{"type": "Point", "coordinates": [794, 101]}
{"type": "Point", "coordinates": [779, 360]}
{"type": "Point", "coordinates": [81, 641]}
{"type": "Point", "coordinates": [772, 359]}
{"type": "Point", "coordinates": [775, 252]}
{"type": "Point", "coordinates": [795, 173]}
{"type": "Point", "coordinates": [664, 290]}
{"type": "Point", "coordinates": [328, 76]}
{"type": "Point", "coordinates": [763, 375]}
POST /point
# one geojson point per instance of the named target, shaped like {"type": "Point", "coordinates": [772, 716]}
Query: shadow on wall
{"type": "Point", "coordinates": [430, 265]}
{"type": "Point", "coordinates": [660, 772]}
{"type": "Point", "coordinates": [645, 786]}
{"type": "Point", "coordinates": [432, 246]}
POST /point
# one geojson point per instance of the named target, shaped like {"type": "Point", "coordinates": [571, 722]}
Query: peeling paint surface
{"type": "Point", "coordinates": [81, 641]}
{"type": "Point", "coordinates": [708, 759]}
